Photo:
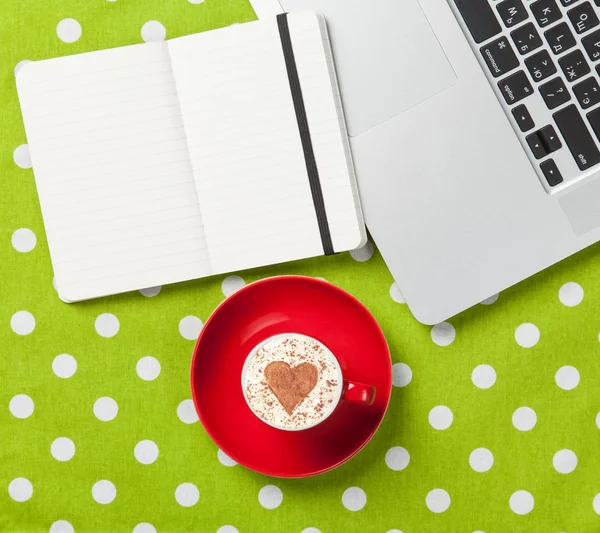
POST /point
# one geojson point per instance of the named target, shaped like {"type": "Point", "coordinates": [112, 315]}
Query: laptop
{"type": "Point", "coordinates": [475, 131]}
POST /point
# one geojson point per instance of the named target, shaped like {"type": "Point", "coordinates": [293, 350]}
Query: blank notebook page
{"type": "Point", "coordinates": [245, 146]}
{"type": "Point", "coordinates": [112, 170]}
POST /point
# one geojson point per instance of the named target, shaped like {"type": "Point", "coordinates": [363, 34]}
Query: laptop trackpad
{"type": "Point", "coordinates": [387, 57]}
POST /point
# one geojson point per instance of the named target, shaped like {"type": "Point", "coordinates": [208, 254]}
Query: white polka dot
{"type": "Point", "coordinates": [564, 461]}
{"type": "Point", "coordinates": [440, 417]}
{"type": "Point", "coordinates": [232, 284]}
{"type": "Point", "coordinates": [521, 502]}
{"type": "Point", "coordinates": [363, 254]}
{"type": "Point", "coordinates": [527, 335]}
{"type": "Point", "coordinates": [68, 30]}
{"type": "Point", "coordinates": [153, 31]}
{"type": "Point", "coordinates": [491, 300]}
{"type": "Point", "coordinates": [104, 491]}
{"type": "Point", "coordinates": [22, 323]}
{"type": "Point", "coordinates": [195, 1]}
{"type": "Point", "coordinates": [23, 240]}
{"type": "Point", "coordinates": [567, 377]}
{"type": "Point", "coordinates": [483, 376]}
{"type": "Point", "coordinates": [190, 327]}
{"type": "Point", "coordinates": [227, 529]}
{"type": "Point", "coordinates": [397, 458]}
{"type": "Point", "coordinates": [146, 452]}
{"type": "Point", "coordinates": [596, 503]}
{"type": "Point", "coordinates": [396, 295]}
{"type": "Point", "coordinates": [311, 530]}
{"type": "Point", "coordinates": [224, 459]}
{"type": "Point", "coordinates": [524, 418]}
{"type": "Point", "coordinates": [62, 449]}
{"type": "Point", "coordinates": [20, 489]}
{"type": "Point", "coordinates": [481, 460]}
{"type": "Point", "coordinates": [571, 294]}
{"type": "Point", "coordinates": [20, 65]}
{"type": "Point", "coordinates": [21, 406]}
{"type": "Point", "coordinates": [107, 325]}
{"type": "Point", "coordinates": [443, 334]}
{"type": "Point", "coordinates": [148, 368]}
{"type": "Point", "coordinates": [105, 409]}
{"type": "Point", "coordinates": [187, 412]}
{"type": "Point", "coordinates": [151, 291]}
{"type": "Point", "coordinates": [437, 501]}
{"type": "Point", "coordinates": [64, 365]}
{"type": "Point", "coordinates": [270, 497]}
{"type": "Point", "coordinates": [22, 157]}
{"type": "Point", "coordinates": [61, 526]}
{"type": "Point", "coordinates": [598, 420]}
{"type": "Point", "coordinates": [394, 531]}
{"type": "Point", "coordinates": [354, 499]}
{"type": "Point", "coordinates": [401, 375]}
{"type": "Point", "coordinates": [187, 494]}
{"type": "Point", "coordinates": [144, 527]}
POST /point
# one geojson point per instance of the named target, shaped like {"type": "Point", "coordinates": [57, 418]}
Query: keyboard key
{"type": "Point", "coordinates": [515, 87]}
{"type": "Point", "coordinates": [574, 65]}
{"type": "Point", "coordinates": [526, 38]}
{"type": "Point", "coordinates": [594, 118]}
{"type": "Point", "coordinates": [551, 172]}
{"type": "Point", "coordinates": [578, 138]}
{"type": "Point", "coordinates": [499, 57]}
{"type": "Point", "coordinates": [479, 18]}
{"type": "Point", "coordinates": [523, 118]}
{"type": "Point", "coordinates": [568, 2]}
{"type": "Point", "coordinates": [545, 12]}
{"type": "Point", "coordinates": [512, 12]}
{"type": "Point", "coordinates": [583, 17]}
{"type": "Point", "coordinates": [540, 65]}
{"type": "Point", "coordinates": [591, 43]}
{"type": "Point", "coordinates": [550, 139]}
{"type": "Point", "coordinates": [535, 144]}
{"type": "Point", "coordinates": [554, 93]}
{"type": "Point", "coordinates": [560, 38]}
{"type": "Point", "coordinates": [587, 92]}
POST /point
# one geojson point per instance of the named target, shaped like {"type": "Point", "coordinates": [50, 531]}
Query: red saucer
{"type": "Point", "coordinates": [282, 305]}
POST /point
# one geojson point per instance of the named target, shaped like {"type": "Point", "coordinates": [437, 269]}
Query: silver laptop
{"type": "Point", "coordinates": [474, 128]}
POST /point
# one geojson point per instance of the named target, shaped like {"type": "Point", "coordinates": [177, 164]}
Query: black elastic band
{"type": "Point", "coordinates": [309, 156]}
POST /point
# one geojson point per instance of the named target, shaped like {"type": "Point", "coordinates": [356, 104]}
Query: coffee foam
{"type": "Point", "coordinates": [294, 350]}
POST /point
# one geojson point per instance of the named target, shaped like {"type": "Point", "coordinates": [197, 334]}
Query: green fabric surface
{"type": "Point", "coordinates": [397, 471]}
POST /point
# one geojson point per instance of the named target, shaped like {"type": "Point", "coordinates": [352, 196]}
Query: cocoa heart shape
{"type": "Point", "coordinates": [291, 385]}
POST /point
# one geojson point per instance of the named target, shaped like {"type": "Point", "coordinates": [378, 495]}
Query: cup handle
{"type": "Point", "coordinates": [358, 393]}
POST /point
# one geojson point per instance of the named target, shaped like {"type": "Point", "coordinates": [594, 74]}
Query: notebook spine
{"type": "Point", "coordinates": [304, 131]}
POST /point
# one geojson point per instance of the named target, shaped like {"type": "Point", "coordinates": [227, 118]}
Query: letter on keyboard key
{"type": "Point", "coordinates": [583, 17]}
{"type": "Point", "coordinates": [591, 43]}
{"type": "Point", "coordinates": [540, 65]}
{"type": "Point", "coordinates": [515, 87]}
{"type": "Point", "coordinates": [587, 92]}
{"type": "Point", "coordinates": [526, 38]}
{"type": "Point", "coordinates": [499, 57]}
{"type": "Point", "coordinates": [479, 18]}
{"type": "Point", "coordinates": [512, 12]}
{"type": "Point", "coordinates": [578, 138]}
{"type": "Point", "coordinates": [560, 38]}
{"type": "Point", "coordinates": [545, 12]}
{"type": "Point", "coordinates": [574, 65]}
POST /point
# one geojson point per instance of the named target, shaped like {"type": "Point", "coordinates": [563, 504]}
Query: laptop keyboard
{"type": "Point", "coordinates": [540, 56]}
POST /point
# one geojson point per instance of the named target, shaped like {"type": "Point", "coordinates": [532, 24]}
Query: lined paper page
{"type": "Point", "coordinates": [245, 148]}
{"type": "Point", "coordinates": [112, 170]}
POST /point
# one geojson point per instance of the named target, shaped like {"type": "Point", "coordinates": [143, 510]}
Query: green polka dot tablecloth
{"type": "Point", "coordinates": [494, 420]}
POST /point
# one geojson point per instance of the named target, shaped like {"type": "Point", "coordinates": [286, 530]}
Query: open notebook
{"type": "Point", "coordinates": [215, 152]}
